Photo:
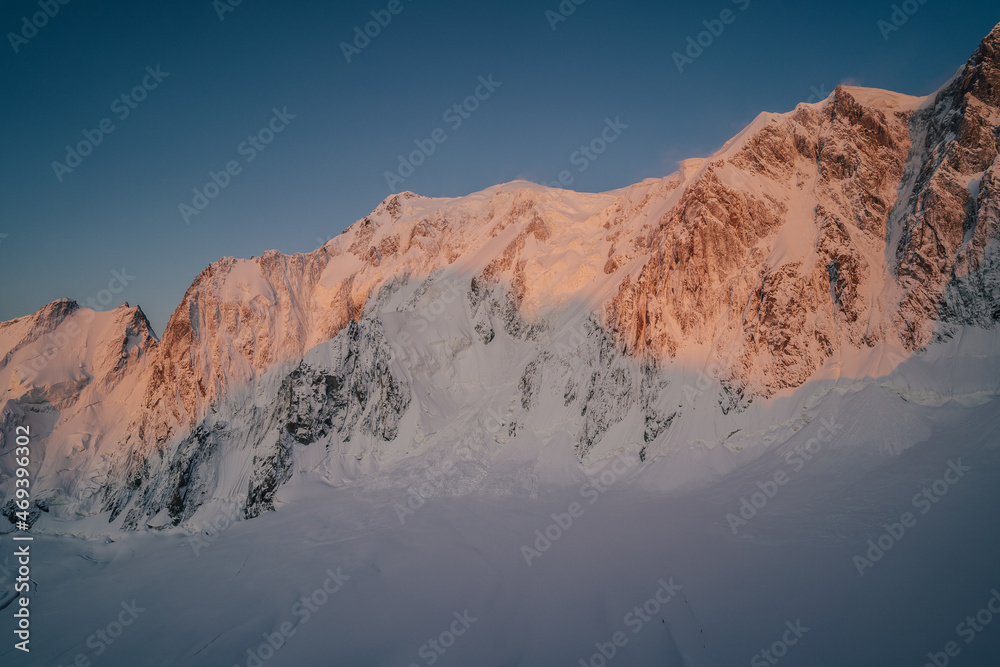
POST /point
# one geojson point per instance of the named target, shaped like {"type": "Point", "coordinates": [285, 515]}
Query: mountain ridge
{"type": "Point", "coordinates": [864, 223]}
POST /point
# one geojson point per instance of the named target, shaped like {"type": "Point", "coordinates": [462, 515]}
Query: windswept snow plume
{"type": "Point", "coordinates": [740, 412]}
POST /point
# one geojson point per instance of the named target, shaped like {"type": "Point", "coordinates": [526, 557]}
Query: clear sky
{"type": "Point", "coordinates": [65, 229]}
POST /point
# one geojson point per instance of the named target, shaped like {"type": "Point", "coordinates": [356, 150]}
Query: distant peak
{"type": "Point", "coordinates": [994, 35]}
{"type": "Point", "coordinates": [989, 48]}
{"type": "Point", "coordinates": [59, 307]}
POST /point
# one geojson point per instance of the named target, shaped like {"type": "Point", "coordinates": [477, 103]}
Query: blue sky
{"type": "Point", "coordinates": [343, 124]}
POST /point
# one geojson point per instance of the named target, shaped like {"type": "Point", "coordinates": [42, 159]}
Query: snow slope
{"type": "Point", "coordinates": [209, 598]}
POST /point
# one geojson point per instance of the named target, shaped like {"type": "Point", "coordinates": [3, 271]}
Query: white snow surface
{"type": "Point", "coordinates": [209, 603]}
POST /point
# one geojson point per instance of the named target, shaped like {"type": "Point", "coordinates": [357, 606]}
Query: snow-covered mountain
{"type": "Point", "coordinates": [517, 336]}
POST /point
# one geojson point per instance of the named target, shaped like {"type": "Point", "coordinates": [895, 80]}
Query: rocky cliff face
{"type": "Point", "coordinates": [944, 228]}
{"type": "Point", "coordinates": [346, 391]}
{"type": "Point", "coordinates": [664, 315]}
{"type": "Point", "coordinates": [780, 272]}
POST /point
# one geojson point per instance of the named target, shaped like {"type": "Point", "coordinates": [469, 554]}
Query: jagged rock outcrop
{"type": "Point", "coordinates": [944, 229]}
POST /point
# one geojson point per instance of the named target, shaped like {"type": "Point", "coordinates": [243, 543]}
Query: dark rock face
{"type": "Point", "coordinates": [656, 419]}
{"type": "Point", "coordinates": [495, 304]}
{"type": "Point", "coordinates": [356, 395]}
{"type": "Point", "coordinates": [180, 485]}
{"type": "Point", "coordinates": [946, 256]}
{"type": "Point", "coordinates": [531, 380]}
{"type": "Point", "coordinates": [316, 404]}
{"type": "Point", "coordinates": [269, 470]}
{"type": "Point", "coordinates": [609, 391]}
{"type": "Point", "coordinates": [188, 470]}
{"type": "Point", "coordinates": [10, 510]}
{"type": "Point", "coordinates": [359, 394]}
{"type": "Point", "coordinates": [184, 484]}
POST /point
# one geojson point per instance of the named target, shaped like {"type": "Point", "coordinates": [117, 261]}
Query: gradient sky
{"type": "Point", "coordinates": [119, 208]}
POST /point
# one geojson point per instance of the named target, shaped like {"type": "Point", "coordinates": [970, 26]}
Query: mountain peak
{"type": "Point", "coordinates": [981, 77]}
